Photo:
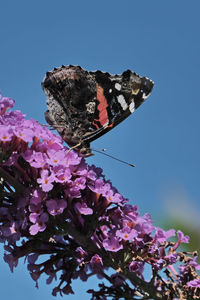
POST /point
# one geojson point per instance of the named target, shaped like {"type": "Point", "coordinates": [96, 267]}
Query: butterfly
{"type": "Point", "coordinates": [84, 105]}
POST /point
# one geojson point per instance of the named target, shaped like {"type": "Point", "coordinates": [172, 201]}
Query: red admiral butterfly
{"type": "Point", "coordinates": [84, 105]}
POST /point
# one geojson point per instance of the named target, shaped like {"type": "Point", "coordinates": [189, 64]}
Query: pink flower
{"type": "Point", "coordinates": [112, 244]}
{"type": "Point", "coordinates": [6, 133]}
{"type": "Point", "coordinates": [55, 158]}
{"type": "Point", "coordinates": [24, 134]}
{"type": "Point", "coordinates": [83, 209]}
{"type": "Point", "coordinates": [40, 224]}
{"type": "Point", "coordinates": [127, 234]}
{"type": "Point", "coordinates": [46, 180]}
{"type": "Point", "coordinates": [56, 207]}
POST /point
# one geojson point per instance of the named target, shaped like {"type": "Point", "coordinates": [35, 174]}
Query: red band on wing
{"type": "Point", "coordinates": [102, 107]}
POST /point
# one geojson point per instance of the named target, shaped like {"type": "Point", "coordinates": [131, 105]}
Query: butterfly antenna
{"type": "Point", "coordinates": [120, 160]}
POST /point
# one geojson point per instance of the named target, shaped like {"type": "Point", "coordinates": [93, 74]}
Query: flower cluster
{"type": "Point", "coordinates": [53, 203]}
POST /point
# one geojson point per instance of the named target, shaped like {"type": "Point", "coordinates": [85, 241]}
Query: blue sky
{"type": "Point", "coordinates": [158, 39]}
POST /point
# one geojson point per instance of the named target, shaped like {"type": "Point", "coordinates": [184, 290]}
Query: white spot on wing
{"type": "Point", "coordinates": [122, 102]}
{"type": "Point", "coordinates": [132, 107]}
{"type": "Point", "coordinates": [110, 90]}
{"type": "Point", "coordinates": [144, 96]}
{"type": "Point", "coordinates": [118, 86]}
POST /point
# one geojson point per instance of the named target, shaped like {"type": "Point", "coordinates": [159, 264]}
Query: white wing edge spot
{"type": "Point", "coordinates": [132, 107]}
{"type": "Point", "coordinates": [118, 86]}
{"type": "Point", "coordinates": [122, 102]}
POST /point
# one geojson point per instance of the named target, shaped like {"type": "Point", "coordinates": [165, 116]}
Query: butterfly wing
{"type": "Point", "coordinates": [118, 96]}
{"type": "Point", "coordinates": [83, 105]}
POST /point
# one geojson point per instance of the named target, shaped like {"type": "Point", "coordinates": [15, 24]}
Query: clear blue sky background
{"type": "Point", "coordinates": [159, 39]}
